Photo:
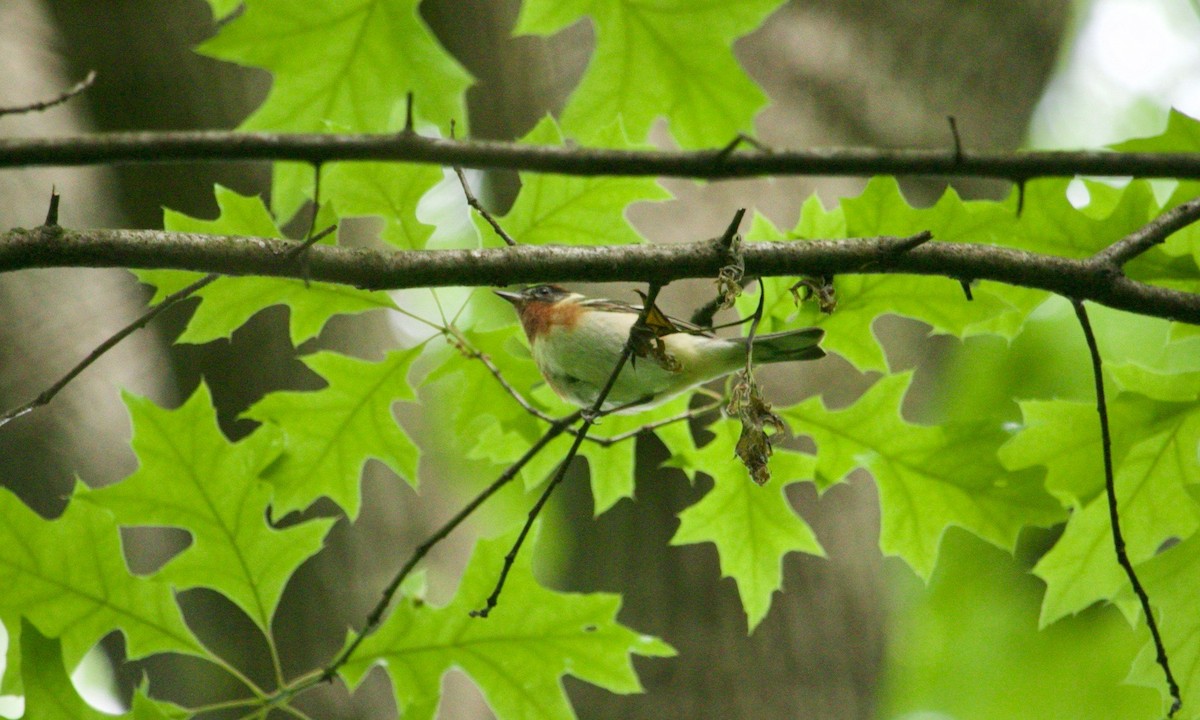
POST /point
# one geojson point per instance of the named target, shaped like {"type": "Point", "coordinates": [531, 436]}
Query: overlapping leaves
{"type": "Point", "coordinates": [517, 656]}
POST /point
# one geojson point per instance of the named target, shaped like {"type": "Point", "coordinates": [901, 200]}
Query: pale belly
{"type": "Point", "coordinates": [578, 375]}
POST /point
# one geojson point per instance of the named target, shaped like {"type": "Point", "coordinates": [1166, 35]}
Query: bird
{"type": "Point", "coordinates": [576, 342]}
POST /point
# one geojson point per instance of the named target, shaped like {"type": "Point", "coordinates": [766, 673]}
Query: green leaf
{"type": "Point", "coordinates": [329, 434]}
{"type": "Point", "coordinates": [565, 210]}
{"type": "Point", "coordinates": [340, 66]}
{"type": "Point", "coordinates": [191, 477]}
{"type": "Point", "coordinates": [1182, 134]}
{"type": "Point", "coordinates": [929, 477]}
{"type": "Point", "coordinates": [390, 191]}
{"type": "Point", "coordinates": [1154, 456]}
{"type": "Point", "coordinates": [861, 299]}
{"type": "Point", "coordinates": [49, 694]}
{"type": "Point", "coordinates": [752, 527]}
{"type": "Point", "coordinates": [1171, 580]}
{"type": "Point", "coordinates": [229, 302]}
{"type": "Point", "coordinates": [517, 655]}
{"type": "Point", "coordinates": [69, 578]}
{"type": "Point", "coordinates": [671, 58]}
{"type": "Point", "coordinates": [968, 646]}
{"type": "Point", "coordinates": [11, 683]}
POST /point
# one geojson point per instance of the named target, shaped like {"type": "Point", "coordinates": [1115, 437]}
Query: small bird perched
{"type": "Point", "coordinates": [576, 342]}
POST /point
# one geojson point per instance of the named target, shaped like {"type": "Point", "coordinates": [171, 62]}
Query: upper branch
{"type": "Point", "coordinates": [211, 146]}
{"type": "Point", "coordinates": [1082, 279]}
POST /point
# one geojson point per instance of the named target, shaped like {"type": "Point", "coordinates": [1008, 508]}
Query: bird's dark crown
{"type": "Point", "coordinates": [544, 294]}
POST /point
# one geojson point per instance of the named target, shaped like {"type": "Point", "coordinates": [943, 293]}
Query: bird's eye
{"type": "Point", "coordinates": [543, 291]}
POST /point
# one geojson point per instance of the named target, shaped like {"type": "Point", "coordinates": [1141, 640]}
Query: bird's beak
{"type": "Point", "coordinates": [512, 297]}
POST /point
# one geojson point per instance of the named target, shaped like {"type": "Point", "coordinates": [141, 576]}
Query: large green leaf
{"type": "Point", "coordinates": [752, 527]}
{"type": "Point", "coordinates": [390, 191]}
{"type": "Point", "coordinates": [192, 478]}
{"type": "Point", "coordinates": [227, 303]}
{"type": "Point", "coordinates": [50, 695]}
{"type": "Point", "coordinates": [1154, 460]}
{"type": "Point", "coordinates": [517, 655]}
{"type": "Point", "coordinates": [69, 578]}
{"type": "Point", "coordinates": [1172, 580]}
{"type": "Point", "coordinates": [329, 434]}
{"type": "Point", "coordinates": [670, 58]}
{"type": "Point", "coordinates": [566, 210]}
{"type": "Point", "coordinates": [929, 477]}
{"type": "Point", "coordinates": [340, 66]}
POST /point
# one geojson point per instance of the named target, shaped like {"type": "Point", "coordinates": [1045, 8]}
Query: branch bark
{"type": "Point", "coordinates": [226, 146]}
{"type": "Point", "coordinates": [1093, 279]}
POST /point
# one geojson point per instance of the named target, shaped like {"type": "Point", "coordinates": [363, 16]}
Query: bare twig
{"type": "Point", "coordinates": [52, 211]}
{"type": "Point", "coordinates": [66, 95]}
{"type": "Point", "coordinates": [958, 147]}
{"type": "Point", "coordinates": [737, 141]}
{"type": "Point", "coordinates": [228, 146]}
{"type": "Point", "coordinates": [601, 441]}
{"type": "Point", "coordinates": [1149, 235]}
{"type": "Point", "coordinates": [479, 208]}
{"type": "Point", "coordinates": [903, 245]}
{"type": "Point", "coordinates": [373, 620]}
{"type": "Point", "coordinates": [966, 288]}
{"type": "Point", "coordinates": [512, 391]}
{"type": "Point", "coordinates": [589, 418]}
{"type": "Point", "coordinates": [649, 427]}
{"type": "Point", "coordinates": [409, 128]}
{"type": "Point", "coordinates": [474, 203]}
{"type": "Point", "coordinates": [144, 319]}
{"type": "Point", "coordinates": [730, 275]}
{"type": "Point", "coordinates": [1114, 516]}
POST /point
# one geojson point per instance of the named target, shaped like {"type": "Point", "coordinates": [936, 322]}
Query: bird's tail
{"type": "Point", "coordinates": [790, 345]}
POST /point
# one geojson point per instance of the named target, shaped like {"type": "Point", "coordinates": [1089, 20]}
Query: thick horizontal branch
{"type": "Point", "coordinates": [220, 146]}
{"type": "Point", "coordinates": [1092, 279]}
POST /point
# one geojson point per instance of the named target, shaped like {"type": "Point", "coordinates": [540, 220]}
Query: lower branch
{"type": "Point", "coordinates": [1085, 279]}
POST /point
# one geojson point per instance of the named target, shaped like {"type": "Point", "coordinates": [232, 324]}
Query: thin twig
{"type": "Point", "coordinates": [512, 391]}
{"type": "Point", "coordinates": [729, 277]}
{"type": "Point", "coordinates": [52, 211]}
{"type": "Point", "coordinates": [649, 427]}
{"type": "Point", "coordinates": [479, 208]}
{"type": "Point", "coordinates": [958, 147]}
{"type": "Point", "coordinates": [966, 288]}
{"type": "Point", "coordinates": [409, 128]}
{"type": "Point", "coordinates": [1152, 233]}
{"type": "Point", "coordinates": [144, 319]}
{"type": "Point", "coordinates": [312, 220]}
{"type": "Point", "coordinates": [601, 441]}
{"type": "Point", "coordinates": [1114, 516]}
{"type": "Point", "coordinates": [903, 245]}
{"type": "Point", "coordinates": [376, 616]}
{"type": "Point", "coordinates": [589, 418]}
{"type": "Point", "coordinates": [66, 95]}
{"type": "Point", "coordinates": [737, 141]}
